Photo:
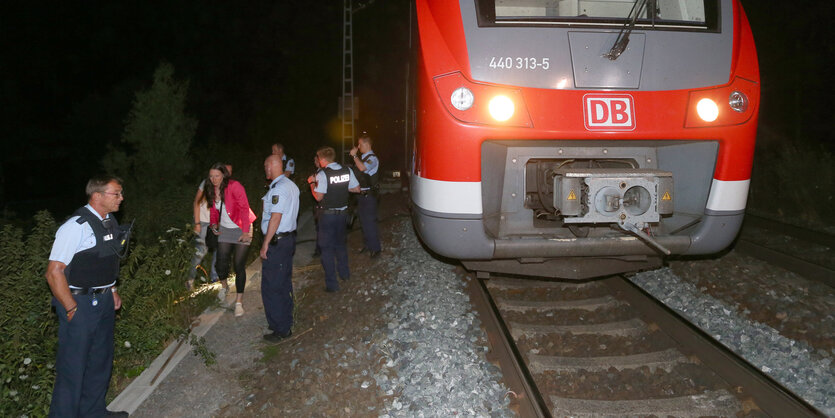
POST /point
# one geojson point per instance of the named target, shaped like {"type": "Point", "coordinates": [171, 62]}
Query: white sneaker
{"type": "Point", "coordinates": [221, 294]}
{"type": "Point", "coordinates": [239, 309]}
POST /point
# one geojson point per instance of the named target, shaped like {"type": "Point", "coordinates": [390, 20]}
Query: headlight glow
{"type": "Point", "coordinates": [707, 110]}
{"type": "Point", "coordinates": [462, 98]}
{"type": "Point", "coordinates": [501, 108]}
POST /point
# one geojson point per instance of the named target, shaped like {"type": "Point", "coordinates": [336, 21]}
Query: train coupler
{"type": "Point", "coordinates": [635, 229]}
{"type": "Point", "coordinates": [606, 195]}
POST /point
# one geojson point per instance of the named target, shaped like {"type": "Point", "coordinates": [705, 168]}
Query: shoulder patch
{"type": "Point", "coordinates": [275, 199]}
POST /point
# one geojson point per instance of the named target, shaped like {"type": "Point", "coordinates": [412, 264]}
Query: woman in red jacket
{"type": "Point", "coordinates": [231, 218]}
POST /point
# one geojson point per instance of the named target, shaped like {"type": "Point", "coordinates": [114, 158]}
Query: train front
{"type": "Point", "coordinates": [580, 138]}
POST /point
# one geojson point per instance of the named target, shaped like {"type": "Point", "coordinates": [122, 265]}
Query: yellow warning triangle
{"type": "Point", "coordinates": [572, 195]}
{"type": "Point", "coordinates": [666, 196]}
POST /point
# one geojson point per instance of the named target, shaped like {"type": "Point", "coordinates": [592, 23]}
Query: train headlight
{"type": "Point", "coordinates": [738, 101]}
{"type": "Point", "coordinates": [703, 110]}
{"type": "Point", "coordinates": [482, 103]}
{"type": "Point", "coordinates": [707, 110]}
{"type": "Point", "coordinates": [462, 98]}
{"type": "Point", "coordinates": [501, 108]}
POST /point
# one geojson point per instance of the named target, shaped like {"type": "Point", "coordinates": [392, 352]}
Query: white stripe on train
{"type": "Point", "coordinates": [464, 197]}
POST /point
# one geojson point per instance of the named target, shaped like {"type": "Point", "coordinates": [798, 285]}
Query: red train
{"type": "Point", "coordinates": [580, 138]}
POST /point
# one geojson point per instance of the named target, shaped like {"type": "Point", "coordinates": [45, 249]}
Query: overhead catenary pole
{"type": "Point", "coordinates": [349, 110]}
{"type": "Point", "coordinates": [347, 80]}
{"type": "Point", "coordinates": [406, 119]}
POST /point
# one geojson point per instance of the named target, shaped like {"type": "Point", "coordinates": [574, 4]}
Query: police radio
{"type": "Point", "coordinates": [123, 239]}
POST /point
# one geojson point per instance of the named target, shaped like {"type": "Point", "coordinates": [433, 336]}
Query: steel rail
{"type": "Point", "coordinates": [800, 233]}
{"type": "Point", "coordinates": [772, 398]}
{"type": "Point", "coordinates": [514, 371]}
{"type": "Point", "coordinates": [802, 267]}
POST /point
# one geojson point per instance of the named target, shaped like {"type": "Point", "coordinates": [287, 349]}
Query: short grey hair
{"type": "Point", "coordinates": [99, 183]}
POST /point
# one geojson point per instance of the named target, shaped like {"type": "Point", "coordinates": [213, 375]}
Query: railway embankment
{"type": "Point", "coordinates": [401, 338]}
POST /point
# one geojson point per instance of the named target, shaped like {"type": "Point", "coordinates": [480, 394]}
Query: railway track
{"type": "Point", "coordinates": [808, 253]}
{"type": "Point", "coordinates": [605, 348]}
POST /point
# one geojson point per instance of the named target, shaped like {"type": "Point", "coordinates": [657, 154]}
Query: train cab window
{"type": "Point", "coordinates": [661, 14]}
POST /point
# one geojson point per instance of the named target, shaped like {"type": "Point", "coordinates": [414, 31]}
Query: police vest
{"type": "Point", "coordinates": [368, 181]}
{"type": "Point", "coordinates": [337, 194]}
{"type": "Point", "coordinates": [99, 265]}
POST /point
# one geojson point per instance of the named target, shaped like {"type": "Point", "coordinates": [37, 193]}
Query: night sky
{"type": "Point", "coordinates": [265, 71]}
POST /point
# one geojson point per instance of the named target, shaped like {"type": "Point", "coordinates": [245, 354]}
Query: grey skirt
{"type": "Point", "coordinates": [230, 235]}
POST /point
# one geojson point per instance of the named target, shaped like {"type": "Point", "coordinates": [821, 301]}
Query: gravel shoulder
{"type": "Point", "coordinates": [399, 339]}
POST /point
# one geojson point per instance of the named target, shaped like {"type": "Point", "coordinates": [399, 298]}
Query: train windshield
{"type": "Point", "coordinates": [685, 14]}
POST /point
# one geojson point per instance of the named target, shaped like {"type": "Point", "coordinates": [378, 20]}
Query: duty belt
{"type": "Point", "coordinates": [280, 235]}
{"type": "Point", "coordinates": [332, 211]}
{"type": "Point", "coordinates": [89, 290]}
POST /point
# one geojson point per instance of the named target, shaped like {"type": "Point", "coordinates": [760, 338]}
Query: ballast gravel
{"type": "Point", "coordinates": [435, 343]}
{"type": "Point", "coordinates": [806, 371]}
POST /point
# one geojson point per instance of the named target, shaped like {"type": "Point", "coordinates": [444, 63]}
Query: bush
{"type": "Point", "coordinates": [153, 156]}
{"type": "Point", "coordinates": [792, 181]}
{"type": "Point", "coordinates": [156, 309]}
{"type": "Point", "coordinates": [28, 326]}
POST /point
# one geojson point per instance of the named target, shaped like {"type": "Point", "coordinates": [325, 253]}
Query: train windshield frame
{"type": "Point", "coordinates": [688, 15]}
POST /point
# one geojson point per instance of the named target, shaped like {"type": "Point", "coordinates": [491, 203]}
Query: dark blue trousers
{"type": "Point", "coordinates": [277, 284]}
{"type": "Point", "coordinates": [85, 357]}
{"type": "Point", "coordinates": [367, 207]}
{"type": "Point", "coordinates": [316, 225]}
{"type": "Point", "coordinates": [332, 236]}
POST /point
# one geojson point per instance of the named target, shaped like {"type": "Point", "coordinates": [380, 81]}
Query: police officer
{"type": "Point", "coordinates": [289, 165]}
{"type": "Point", "coordinates": [278, 223]}
{"type": "Point", "coordinates": [368, 166]}
{"type": "Point", "coordinates": [330, 187]}
{"type": "Point", "coordinates": [82, 271]}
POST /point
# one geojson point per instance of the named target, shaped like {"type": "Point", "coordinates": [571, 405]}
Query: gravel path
{"type": "Point", "coordinates": [194, 389]}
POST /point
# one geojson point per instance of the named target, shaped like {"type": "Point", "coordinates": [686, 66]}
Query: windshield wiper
{"type": "Point", "coordinates": [623, 37]}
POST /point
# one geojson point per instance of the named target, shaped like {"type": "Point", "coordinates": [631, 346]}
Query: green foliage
{"type": "Point", "coordinates": [159, 133]}
{"type": "Point", "coordinates": [200, 349]}
{"type": "Point", "coordinates": [153, 158]}
{"type": "Point", "coordinates": [269, 352]}
{"type": "Point", "coordinates": [793, 181]}
{"type": "Point", "coordinates": [29, 329]}
{"type": "Point", "coordinates": [156, 306]}
{"type": "Point", "coordinates": [156, 309]}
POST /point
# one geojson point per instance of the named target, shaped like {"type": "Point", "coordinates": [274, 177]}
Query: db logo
{"type": "Point", "coordinates": [609, 112]}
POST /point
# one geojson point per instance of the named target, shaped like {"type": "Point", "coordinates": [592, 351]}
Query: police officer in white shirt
{"type": "Point", "coordinates": [368, 166]}
{"type": "Point", "coordinates": [288, 164]}
{"type": "Point", "coordinates": [330, 187]}
{"type": "Point", "coordinates": [82, 271]}
{"type": "Point", "coordinates": [278, 223]}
